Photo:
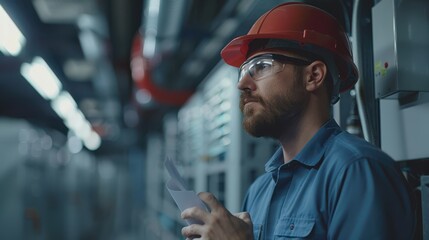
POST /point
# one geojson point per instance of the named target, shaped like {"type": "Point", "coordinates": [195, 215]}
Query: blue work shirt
{"type": "Point", "coordinates": [338, 187]}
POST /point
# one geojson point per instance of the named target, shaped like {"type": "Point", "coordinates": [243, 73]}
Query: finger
{"type": "Point", "coordinates": [192, 231]}
{"type": "Point", "coordinates": [210, 200]}
{"type": "Point", "coordinates": [195, 213]}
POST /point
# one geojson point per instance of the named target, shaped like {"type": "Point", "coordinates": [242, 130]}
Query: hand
{"type": "Point", "coordinates": [219, 223]}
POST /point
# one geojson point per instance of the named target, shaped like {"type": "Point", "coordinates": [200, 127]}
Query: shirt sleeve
{"type": "Point", "coordinates": [370, 200]}
{"type": "Point", "coordinates": [244, 207]}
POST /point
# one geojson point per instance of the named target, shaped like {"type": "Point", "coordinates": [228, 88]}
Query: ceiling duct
{"type": "Point", "coordinates": [147, 89]}
{"type": "Point", "coordinates": [157, 42]}
{"type": "Point", "coordinates": [180, 42]}
{"type": "Point", "coordinates": [162, 22]}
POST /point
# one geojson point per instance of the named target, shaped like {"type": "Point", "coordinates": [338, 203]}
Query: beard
{"type": "Point", "coordinates": [280, 112]}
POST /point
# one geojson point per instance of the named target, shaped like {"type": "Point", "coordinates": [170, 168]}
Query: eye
{"type": "Point", "coordinates": [261, 67]}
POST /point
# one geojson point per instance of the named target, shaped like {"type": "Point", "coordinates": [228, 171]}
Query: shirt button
{"type": "Point", "coordinates": [292, 226]}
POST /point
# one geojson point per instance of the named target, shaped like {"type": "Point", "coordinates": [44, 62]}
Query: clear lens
{"type": "Point", "coordinates": [268, 64]}
{"type": "Point", "coordinates": [259, 68]}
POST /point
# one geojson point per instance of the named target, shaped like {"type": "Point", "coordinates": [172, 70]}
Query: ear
{"type": "Point", "coordinates": [316, 74]}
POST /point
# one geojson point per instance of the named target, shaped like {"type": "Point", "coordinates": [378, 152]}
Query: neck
{"type": "Point", "coordinates": [297, 134]}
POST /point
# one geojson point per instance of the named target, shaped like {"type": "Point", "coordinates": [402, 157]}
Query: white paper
{"type": "Point", "coordinates": [181, 194]}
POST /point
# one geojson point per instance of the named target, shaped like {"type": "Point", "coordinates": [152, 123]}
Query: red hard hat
{"type": "Point", "coordinates": [304, 26]}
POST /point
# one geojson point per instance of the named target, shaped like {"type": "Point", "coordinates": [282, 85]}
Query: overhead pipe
{"type": "Point", "coordinates": [159, 37]}
{"type": "Point", "coordinates": [161, 25]}
{"type": "Point", "coordinates": [368, 107]}
{"type": "Point", "coordinates": [142, 71]}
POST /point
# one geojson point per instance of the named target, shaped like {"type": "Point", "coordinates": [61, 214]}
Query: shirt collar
{"type": "Point", "coordinates": [313, 150]}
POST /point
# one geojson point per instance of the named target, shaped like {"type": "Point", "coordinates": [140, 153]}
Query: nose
{"type": "Point", "coordinates": [246, 83]}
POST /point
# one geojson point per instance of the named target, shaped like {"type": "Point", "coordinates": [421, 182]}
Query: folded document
{"type": "Point", "coordinates": [182, 195]}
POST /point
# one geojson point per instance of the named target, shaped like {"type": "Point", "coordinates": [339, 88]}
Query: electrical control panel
{"type": "Point", "coordinates": [401, 47]}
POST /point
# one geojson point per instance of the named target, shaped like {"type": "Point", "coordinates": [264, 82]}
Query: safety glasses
{"type": "Point", "coordinates": [267, 65]}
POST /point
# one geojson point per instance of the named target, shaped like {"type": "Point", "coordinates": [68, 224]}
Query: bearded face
{"type": "Point", "coordinates": [275, 112]}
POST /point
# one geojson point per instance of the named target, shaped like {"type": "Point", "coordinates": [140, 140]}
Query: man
{"type": "Point", "coordinates": [323, 183]}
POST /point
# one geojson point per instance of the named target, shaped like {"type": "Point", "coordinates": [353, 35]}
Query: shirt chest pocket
{"type": "Point", "coordinates": [294, 228]}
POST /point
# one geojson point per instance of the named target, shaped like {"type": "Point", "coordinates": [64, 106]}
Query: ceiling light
{"type": "Point", "coordinates": [41, 77]}
{"type": "Point", "coordinates": [93, 141]}
{"type": "Point", "coordinates": [153, 14]}
{"type": "Point", "coordinates": [149, 46]}
{"type": "Point", "coordinates": [75, 120]}
{"type": "Point", "coordinates": [64, 105]}
{"type": "Point", "coordinates": [84, 130]}
{"type": "Point", "coordinates": [11, 38]}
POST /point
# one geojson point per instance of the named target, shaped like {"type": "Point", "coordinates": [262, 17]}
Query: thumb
{"type": "Point", "coordinates": [245, 216]}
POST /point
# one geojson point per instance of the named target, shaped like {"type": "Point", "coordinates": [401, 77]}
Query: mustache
{"type": "Point", "coordinates": [248, 97]}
